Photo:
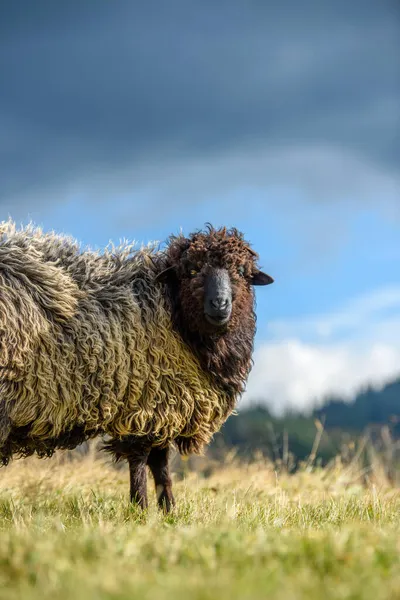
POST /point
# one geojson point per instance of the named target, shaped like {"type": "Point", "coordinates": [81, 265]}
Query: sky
{"type": "Point", "coordinates": [135, 120]}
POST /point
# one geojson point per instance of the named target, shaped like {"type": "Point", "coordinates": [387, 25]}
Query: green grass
{"type": "Point", "coordinates": [67, 531]}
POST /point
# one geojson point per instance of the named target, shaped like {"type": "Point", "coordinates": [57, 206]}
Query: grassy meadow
{"type": "Point", "coordinates": [242, 532]}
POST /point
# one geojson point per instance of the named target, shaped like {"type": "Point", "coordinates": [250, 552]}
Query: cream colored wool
{"type": "Point", "coordinates": [86, 340]}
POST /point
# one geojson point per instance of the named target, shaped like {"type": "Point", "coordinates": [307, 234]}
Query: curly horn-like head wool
{"type": "Point", "coordinates": [120, 342]}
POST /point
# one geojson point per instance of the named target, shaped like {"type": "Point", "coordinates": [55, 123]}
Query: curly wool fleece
{"type": "Point", "coordinates": [87, 343]}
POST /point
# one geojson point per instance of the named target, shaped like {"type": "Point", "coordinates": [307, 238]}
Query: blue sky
{"type": "Point", "coordinates": [130, 123]}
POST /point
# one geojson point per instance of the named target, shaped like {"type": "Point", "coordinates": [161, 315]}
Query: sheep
{"type": "Point", "coordinates": [148, 347]}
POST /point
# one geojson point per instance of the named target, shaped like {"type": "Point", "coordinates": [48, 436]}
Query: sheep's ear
{"type": "Point", "coordinates": [165, 275]}
{"type": "Point", "coordinates": [260, 278]}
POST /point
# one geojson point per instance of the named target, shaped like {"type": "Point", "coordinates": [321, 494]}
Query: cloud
{"type": "Point", "coordinates": [101, 91]}
{"type": "Point", "coordinates": [324, 173]}
{"type": "Point", "coordinates": [357, 319]}
{"type": "Point", "coordinates": [309, 359]}
{"type": "Point", "coordinates": [267, 177]}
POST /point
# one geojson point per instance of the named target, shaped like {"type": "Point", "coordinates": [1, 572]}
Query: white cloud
{"type": "Point", "coordinates": [360, 317]}
{"type": "Point", "coordinates": [278, 175]}
{"type": "Point", "coordinates": [317, 173]}
{"type": "Point", "coordinates": [333, 354]}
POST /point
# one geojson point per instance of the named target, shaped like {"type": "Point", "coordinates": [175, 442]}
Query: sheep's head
{"type": "Point", "coordinates": [212, 273]}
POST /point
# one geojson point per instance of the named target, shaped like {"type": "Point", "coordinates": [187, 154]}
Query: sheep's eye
{"type": "Point", "coordinates": [192, 272]}
{"type": "Point", "coordinates": [241, 271]}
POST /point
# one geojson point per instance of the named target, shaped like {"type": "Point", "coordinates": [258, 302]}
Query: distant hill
{"type": "Point", "coordinates": [370, 407]}
{"type": "Point", "coordinates": [255, 429]}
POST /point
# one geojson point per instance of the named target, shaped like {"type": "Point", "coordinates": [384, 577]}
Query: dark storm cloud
{"type": "Point", "coordinates": [90, 86]}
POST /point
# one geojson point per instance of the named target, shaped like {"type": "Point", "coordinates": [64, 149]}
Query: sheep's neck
{"type": "Point", "coordinates": [229, 360]}
{"type": "Point", "coordinates": [226, 357]}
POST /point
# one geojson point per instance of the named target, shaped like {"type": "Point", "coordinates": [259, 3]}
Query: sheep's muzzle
{"type": "Point", "coordinates": [218, 297]}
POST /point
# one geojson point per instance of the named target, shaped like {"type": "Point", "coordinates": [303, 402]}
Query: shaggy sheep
{"type": "Point", "coordinates": [149, 347]}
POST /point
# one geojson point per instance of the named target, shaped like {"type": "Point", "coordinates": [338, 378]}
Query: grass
{"type": "Point", "coordinates": [67, 531]}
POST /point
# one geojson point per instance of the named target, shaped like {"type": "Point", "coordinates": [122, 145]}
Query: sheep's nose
{"type": "Point", "coordinates": [218, 297]}
{"type": "Point", "coordinates": [220, 304]}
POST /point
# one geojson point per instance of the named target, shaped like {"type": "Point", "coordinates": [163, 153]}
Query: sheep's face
{"type": "Point", "coordinates": [214, 274]}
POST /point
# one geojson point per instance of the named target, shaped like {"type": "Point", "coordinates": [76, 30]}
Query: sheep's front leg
{"type": "Point", "coordinates": [137, 461]}
{"type": "Point", "coordinates": [158, 463]}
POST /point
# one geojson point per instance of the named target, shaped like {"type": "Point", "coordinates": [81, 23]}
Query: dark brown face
{"type": "Point", "coordinates": [215, 275]}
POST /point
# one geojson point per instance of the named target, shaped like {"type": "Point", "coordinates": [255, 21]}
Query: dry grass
{"type": "Point", "coordinates": [67, 531]}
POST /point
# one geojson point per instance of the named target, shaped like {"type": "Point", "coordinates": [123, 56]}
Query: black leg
{"type": "Point", "coordinates": [158, 463]}
{"type": "Point", "coordinates": [136, 451]}
{"type": "Point", "coordinates": [137, 460]}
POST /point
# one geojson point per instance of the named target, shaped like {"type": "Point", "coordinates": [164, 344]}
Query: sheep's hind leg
{"type": "Point", "coordinates": [158, 463]}
{"type": "Point", "coordinates": [137, 460]}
